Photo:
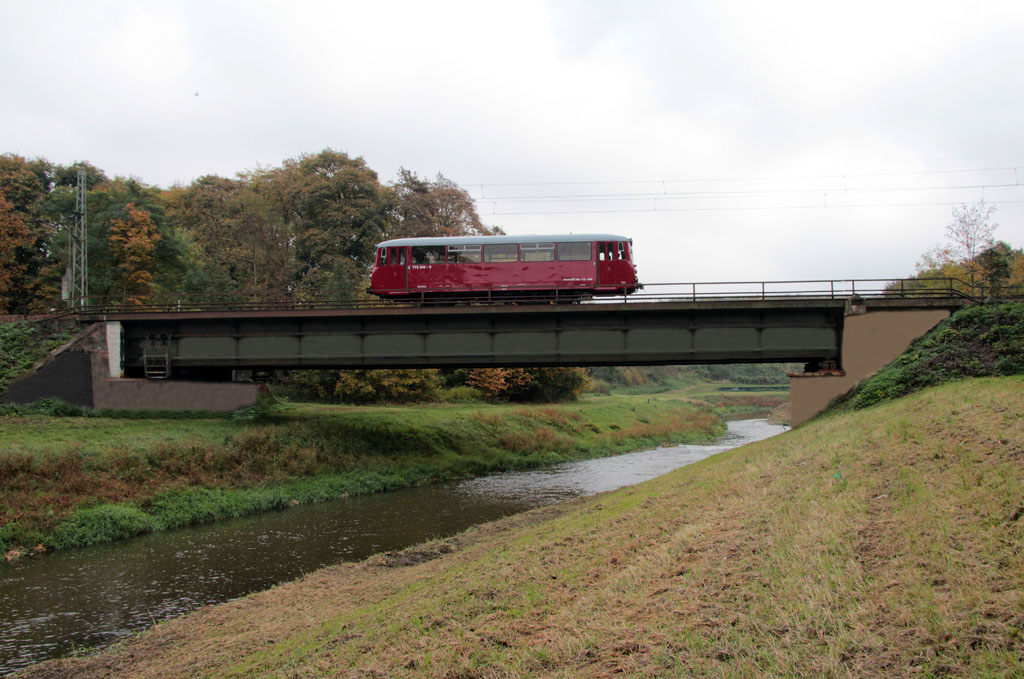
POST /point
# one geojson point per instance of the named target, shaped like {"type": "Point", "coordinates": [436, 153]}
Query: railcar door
{"type": "Point", "coordinates": [614, 270]}
{"type": "Point", "coordinates": [392, 270]}
{"type": "Point", "coordinates": [427, 269]}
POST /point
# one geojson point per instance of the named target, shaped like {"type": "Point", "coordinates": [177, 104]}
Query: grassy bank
{"type": "Point", "coordinates": [879, 543]}
{"type": "Point", "coordinates": [70, 481]}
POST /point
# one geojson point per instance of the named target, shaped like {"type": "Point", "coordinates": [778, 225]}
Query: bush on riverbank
{"type": "Point", "coordinates": [76, 481]}
{"type": "Point", "coordinates": [979, 341]}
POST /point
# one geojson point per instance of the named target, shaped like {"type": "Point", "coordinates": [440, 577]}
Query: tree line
{"type": "Point", "coordinates": [306, 228]}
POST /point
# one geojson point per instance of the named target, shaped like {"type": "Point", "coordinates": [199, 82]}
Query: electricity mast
{"type": "Point", "coordinates": [78, 251]}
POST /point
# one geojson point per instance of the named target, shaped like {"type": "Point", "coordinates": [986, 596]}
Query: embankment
{"type": "Point", "coordinates": [878, 543]}
{"type": "Point", "coordinates": [70, 481]}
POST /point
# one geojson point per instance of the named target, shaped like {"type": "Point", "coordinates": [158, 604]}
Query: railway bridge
{"type": "Point", "coordinates": [182, 353]}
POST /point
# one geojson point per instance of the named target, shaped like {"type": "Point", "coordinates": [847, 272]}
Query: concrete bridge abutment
{"type": "Point", "coordinates": [88, 372]}
{"type": "Point", "coordinates": [870, 340]}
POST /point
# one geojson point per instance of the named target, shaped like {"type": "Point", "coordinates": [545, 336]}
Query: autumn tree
{"type": "Point", "coordinates": [496, 383]}
{"type": "Point", "coordinates": [528, 385]}
{"type": "Point", "coordinates": [392, 386]}
{"type": "Point", "coordinates": [14, 238]}
{"type": "Point", "coordinates": [434, 208]}
{"type": "Point", "coordinates": [133, 239]}
{"type": "Point", "coordinates": [25, 185]}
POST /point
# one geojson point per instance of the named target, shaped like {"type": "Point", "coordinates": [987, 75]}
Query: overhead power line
{"type": "Point", "coordinates": [741, 208]}
{"type": "Point", "coordinates": [731, 194]}
{"type": "Point", "coordinates": [655, 200]}
{"type": "Point", "coordinates": [851, 175]}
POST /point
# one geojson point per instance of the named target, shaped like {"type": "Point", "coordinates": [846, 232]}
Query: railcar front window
{"type": "Point", "coordinates": [537, 252]}
{"type": "Point", "coordinates": [463, 254]}
{"type": "Point", "coordinates": [501, 252]}
{"type": "Point", "coordinates": [574, 252]}
{"type": "Point", "coordinates": [428, 254]}
{"type": "Point", "coordinates": [622, 251]}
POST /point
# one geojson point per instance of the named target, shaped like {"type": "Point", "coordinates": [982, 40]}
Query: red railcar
{"type": "Point", "coordinates": [564, 267]}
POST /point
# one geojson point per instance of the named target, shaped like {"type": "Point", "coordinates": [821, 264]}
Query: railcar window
{"type": "Point", "coordinates": [537, 252]}
{"type": "Point", "coordinates": [501, 252]}
{"type": "Point", "coordinates": [463, 254]}
{"type": "Point", "coordinates": [574, 252]}
{"type": "Point", "coordinates": [398, 256]}
{"type": "Point", "coordinates": [622, 250]}
{"type": "Point", "coordinates": [383, 258]}
{"type": "Point", "coordinates": [428, 254]}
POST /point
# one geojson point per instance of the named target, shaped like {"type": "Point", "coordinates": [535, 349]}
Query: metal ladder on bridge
{"type": "Point", "coordinates": [156, 357]}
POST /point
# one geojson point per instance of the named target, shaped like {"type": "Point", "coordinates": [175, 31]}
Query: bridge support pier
{"type": "Point", "coordinates": [870, 340]}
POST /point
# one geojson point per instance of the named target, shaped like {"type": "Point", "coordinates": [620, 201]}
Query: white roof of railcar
{"type": "Point", "coordinates": [480, 240]}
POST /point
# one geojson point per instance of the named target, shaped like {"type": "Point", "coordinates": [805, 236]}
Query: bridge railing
{"type": "Point", "coordinates": [717, 291]}
{"type": "Point", "coordinates": [878, 288]}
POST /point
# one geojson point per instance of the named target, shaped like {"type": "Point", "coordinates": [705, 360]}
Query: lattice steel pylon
{"type": "Point", "coordinates": [78, 250]}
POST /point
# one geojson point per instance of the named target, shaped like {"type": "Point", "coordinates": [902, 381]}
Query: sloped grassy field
{"type": "Point", "coordinates": [879, 543]}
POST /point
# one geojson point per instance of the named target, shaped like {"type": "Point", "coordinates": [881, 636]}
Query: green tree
{"type": "Point", "coordinates": [241, 243]}
{"type": "Point", "coordinates": [337, 211]}
{"type": "Point", "coordinates": [995, 268]}
{"type": "Point", "coordinates": [22, 183]}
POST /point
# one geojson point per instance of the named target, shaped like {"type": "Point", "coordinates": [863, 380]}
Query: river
{"type": "Point", "coordinates": [67, 602]}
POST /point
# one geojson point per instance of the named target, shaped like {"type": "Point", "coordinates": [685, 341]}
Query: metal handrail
{"type": "Point", "coordinates": [874, 288]}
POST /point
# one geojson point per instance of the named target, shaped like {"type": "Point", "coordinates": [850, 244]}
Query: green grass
{"type": "Point", "coordinates": [70, 481]}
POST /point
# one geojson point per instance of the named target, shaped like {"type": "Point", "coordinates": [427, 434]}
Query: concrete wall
{"type": "Point", "coordinates": [67, 376]}
{"type": "Point", "coordinates": [80, 374]}
{"type": "Point", "coordinates": [126, 393]}
{"type": "Point", "coordinates": [870, 341]}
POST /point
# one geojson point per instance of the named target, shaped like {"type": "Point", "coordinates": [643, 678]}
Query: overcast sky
{"type": "Point", "coordinates": [728, 139]}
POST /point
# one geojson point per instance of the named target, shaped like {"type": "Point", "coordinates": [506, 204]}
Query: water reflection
{"type": "Point", "coordinates": [85, 598]}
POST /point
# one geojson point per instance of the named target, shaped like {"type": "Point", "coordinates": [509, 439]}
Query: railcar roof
{"type": "Point", "coordinates": [479, 240]}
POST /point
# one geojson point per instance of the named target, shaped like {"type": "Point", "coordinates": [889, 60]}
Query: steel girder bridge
{"type": "Point", "coordinates": [792, 321]}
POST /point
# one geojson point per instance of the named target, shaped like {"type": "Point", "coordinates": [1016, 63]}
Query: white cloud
{"type": "Point", "coordinates": [538, 91]}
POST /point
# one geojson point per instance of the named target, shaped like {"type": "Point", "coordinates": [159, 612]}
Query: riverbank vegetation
{"type": "Point", "coordinates": [876, 543]}
{"type": "Point", "coordinates": [71, 477]}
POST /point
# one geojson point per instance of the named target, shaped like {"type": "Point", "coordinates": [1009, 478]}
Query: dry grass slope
{"type": "Point", "coordinates": [881, 543]}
